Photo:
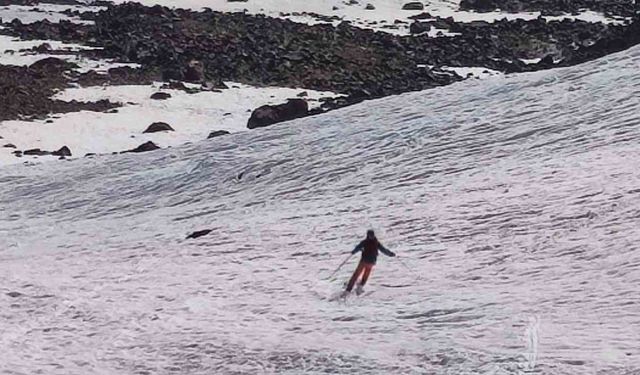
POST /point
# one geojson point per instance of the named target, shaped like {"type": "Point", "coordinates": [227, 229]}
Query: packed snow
{"type": "Point", "coordinates": [514, 198]}
{"type": "Point", "coordinates": [193, 116]}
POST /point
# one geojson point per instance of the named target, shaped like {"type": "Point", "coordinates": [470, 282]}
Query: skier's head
{"type": "Point", "coordinates": [370, 234]}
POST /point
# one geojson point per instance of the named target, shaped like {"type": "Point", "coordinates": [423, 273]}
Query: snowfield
{"type": "Point", "coordinates": [515, 199]}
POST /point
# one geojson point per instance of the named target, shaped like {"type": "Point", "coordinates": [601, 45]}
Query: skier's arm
{"type": "Point", "coordinates": [358, 248]}
{"type": "Point", "coordinates": [385, 251]}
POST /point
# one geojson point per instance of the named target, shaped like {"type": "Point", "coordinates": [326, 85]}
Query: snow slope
{"type": "Point", "coordinates": [515, 198]}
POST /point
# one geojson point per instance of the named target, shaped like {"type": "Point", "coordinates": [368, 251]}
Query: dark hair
{"type": "Point", "coordinates": [370, 233]}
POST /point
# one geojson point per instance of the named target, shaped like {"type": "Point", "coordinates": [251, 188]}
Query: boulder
{"type": "Point", "coordinates": [43, 48]}
{"type": "Point", "coordinates": [36, 152]}
{"type": "Point", "coordinates": [63, 151]}
{"type": "Point", "coordinates": [160, 96]}
{"type": "Point", "coordinates": [217, 133]}
{"type": "Point", "coordinates": [194, 72]}
{"type": "Point", "coordinates": [478, 5]}
{"type": "Point", "coordinates": [158, 127]}
{"type": "Point", "coordinates": [272, 114]}
{"type": "Point", "coordinates": [419, 27]}
{"type": "Point", "coordinates": [145, 147]}
{"type": "Point", "coordinates": [413, 5]}
{"type": "Point", "coordinates": [52, 64]}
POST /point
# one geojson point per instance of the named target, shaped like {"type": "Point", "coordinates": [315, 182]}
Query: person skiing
{"type": "Point", "coordinates": [369, 247]}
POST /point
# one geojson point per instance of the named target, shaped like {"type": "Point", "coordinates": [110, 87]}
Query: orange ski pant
{"type": "Point", "coordinates": [364, 269]}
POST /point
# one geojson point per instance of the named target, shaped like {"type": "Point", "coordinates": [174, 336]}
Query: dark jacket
{"type": "Point", "coordinates": [369, 248]}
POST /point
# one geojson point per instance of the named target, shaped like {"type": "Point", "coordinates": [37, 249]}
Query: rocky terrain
{"type": "Point", "coordinates": [619, 8]}
{"type": "Point", "coordinates": [208, 48]}
{"type": "Point", "coordinates": [25, 92]}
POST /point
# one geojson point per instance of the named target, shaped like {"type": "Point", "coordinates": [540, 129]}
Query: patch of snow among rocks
{"type": "Point", "coordinates": [51, 12]}
{"type": "Point", "coordinates": [193, 116]}
{"type": "Point", "coordinates": [10, 54]}
{"type": "Point", "coordinates": [381, 18]}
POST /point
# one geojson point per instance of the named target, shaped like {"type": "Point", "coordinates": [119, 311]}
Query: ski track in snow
{"type": "Point", "coordinates": [515, 198]}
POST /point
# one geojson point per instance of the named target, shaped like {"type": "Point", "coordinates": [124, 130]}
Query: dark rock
{"type": "Point", "coordinates": [413, 5]}
{"type": "Point", "coordinates": [160, 96]}
{"type": "Point", "coordinates": [43, 48]}
{"type": "Point", "coordinates": [272, 114]}
{"type": "Point", "coordinates": [36, 152]}
{"type": "Point", "coordinates": [303, 94]}
{"type": "Point", "coordinates": [194, 72]}
{"type": "Point", "coordinates": [9, 145]}
{"type": "Point", "coordinates": [158, 127]}
{"type": "Point", "coordinates": [199, 233]}
{"type": "Point", "coordinates": [15, 294]}
{"type": "Point", "coordinates": [370, 7]}
{"type": "Point", "coordinates": [478, 5]}
{"type": "Point", "coordinates": [52, 64]}
{"type": "Point", "coordinates": [217, 133]}
{"type": "Point", "coordinates": [145, 147]}
{"type": "Point", "coordinates": [63, 151]}
{"type": "Point", "coordinates": [419, 27]}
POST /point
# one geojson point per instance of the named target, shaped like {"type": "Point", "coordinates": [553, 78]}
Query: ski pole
{"type": "Point", "coordinates": [340, 266]}
{"type": "Point", "coordinates": [407, 267]}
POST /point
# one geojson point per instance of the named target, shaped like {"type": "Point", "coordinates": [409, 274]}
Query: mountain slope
{"type": "Point", "coordinates": [514, 198]}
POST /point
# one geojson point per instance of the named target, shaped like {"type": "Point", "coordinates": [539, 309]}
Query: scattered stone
{"type": "Point", "coordinates": [370, 7]}
{"type": "Point", "coordinates": [303, 94]}
{"type": "Point", "coordinates": [610, 8]}
{"type": "Point", "coordinates": [158, 127]}
{"type": "Point", "coordinates": [217, 133]}
{"type": "Point", "coordinates": [199, 233]}
{"type": "Point", "coordinates": [15, 294]}
{"type": "Point", "coordinates": [9, 145]}
{"type": "Point", "coordinates": [272, 114]}
{"type": "Point", "coordinates": [160, 96]}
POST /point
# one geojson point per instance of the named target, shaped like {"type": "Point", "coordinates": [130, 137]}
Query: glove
{"type": "Point", "coordinates": [393, 254]}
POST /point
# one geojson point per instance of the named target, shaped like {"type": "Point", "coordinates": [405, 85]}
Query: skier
{"type": "Point", "coordinates": [369, 247]}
